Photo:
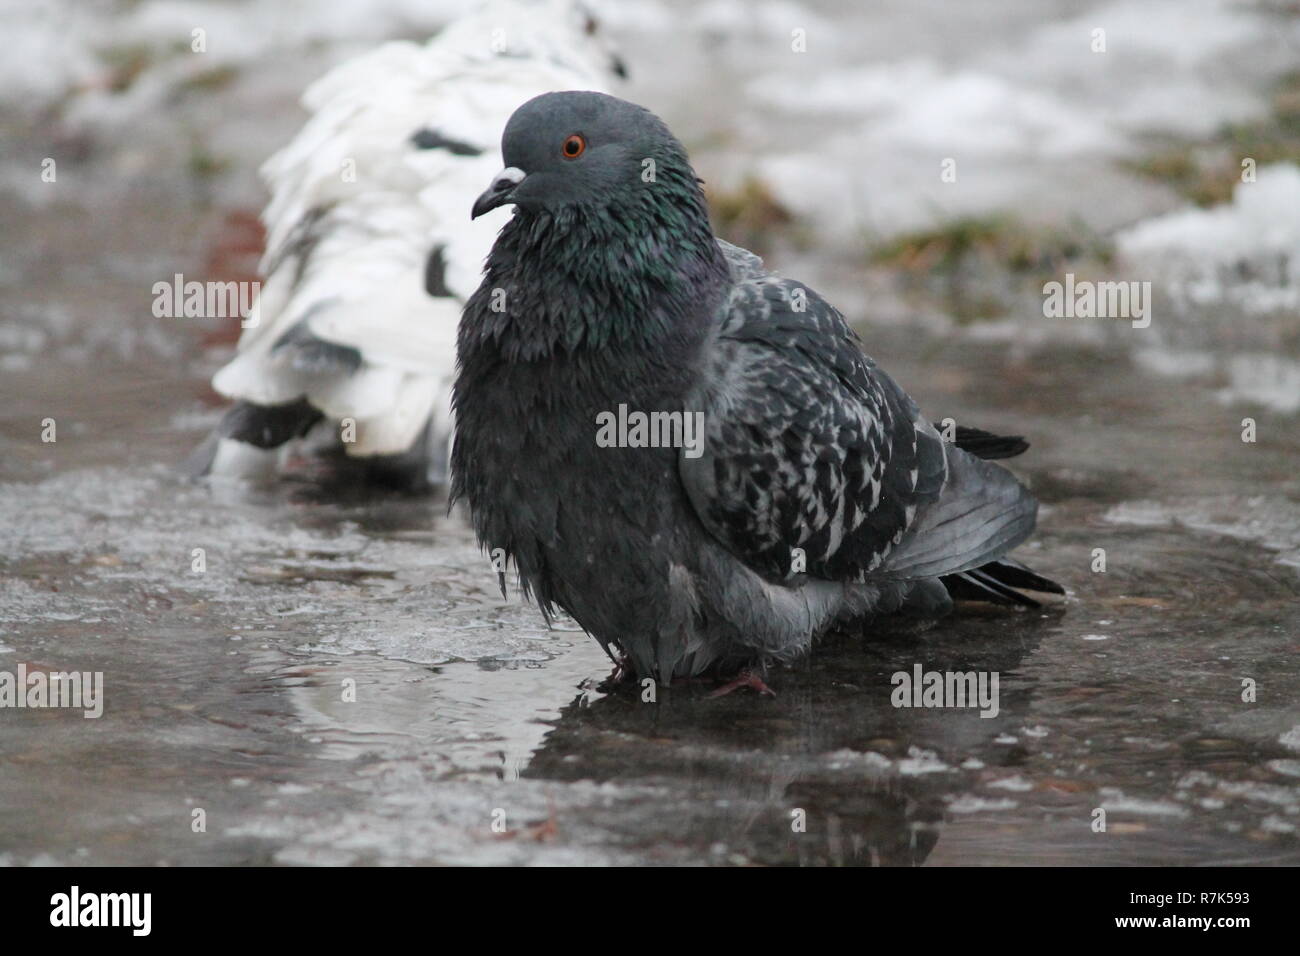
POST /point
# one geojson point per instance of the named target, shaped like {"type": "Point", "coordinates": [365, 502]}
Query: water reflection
{"type": "Point", "coordinates": [868, 781]}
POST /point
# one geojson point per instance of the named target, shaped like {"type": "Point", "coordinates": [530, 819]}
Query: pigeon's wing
{"type": "Point", "coordinates": [815, 461]}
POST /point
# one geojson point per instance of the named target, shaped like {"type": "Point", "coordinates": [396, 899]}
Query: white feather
{"type": "Point", "coordinates": [356, 208]}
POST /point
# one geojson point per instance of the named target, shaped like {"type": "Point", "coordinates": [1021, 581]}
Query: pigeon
{"type": "Point", "coordinates": [692, 456]}
{"type": "Point", "coordinates": [369, 257]}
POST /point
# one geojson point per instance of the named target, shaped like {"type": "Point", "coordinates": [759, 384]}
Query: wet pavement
{"type": "Point", "coordinates": [225, 689]}
{"type": "Point", "coordinates": [343, 682]}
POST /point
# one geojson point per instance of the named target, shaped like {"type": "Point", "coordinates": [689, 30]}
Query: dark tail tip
{"type": "Point", "coordinates": [987, 445]}
{"type": "Point", "coordinates": [1000, 582]}
{"type": "Point", "coordinates": [263, 426]}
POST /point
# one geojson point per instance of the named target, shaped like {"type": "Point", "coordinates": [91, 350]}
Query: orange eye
{"type": "Point", "coordinates": [573, 147]}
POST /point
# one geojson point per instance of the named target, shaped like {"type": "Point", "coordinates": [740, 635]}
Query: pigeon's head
{"type": "Point", "coordinates": [583, 149]}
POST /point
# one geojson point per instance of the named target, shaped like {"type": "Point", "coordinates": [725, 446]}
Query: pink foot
{"type": "Point", "coordinates": [744, 679]}
{"type": "Point", "coordinates": [621, 671]}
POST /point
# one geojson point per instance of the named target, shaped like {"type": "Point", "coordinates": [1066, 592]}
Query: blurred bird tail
{"type": "Point", "coordinates": [999, 582]}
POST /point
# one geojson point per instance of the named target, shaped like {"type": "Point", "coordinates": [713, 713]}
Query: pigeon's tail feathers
{"type": "Point", "coordinates": [981, 514]}
{"type": "Point", "coordinates": [987, 445]}
{"type": "Point", "coordinates": [256, 426]}
{"type": "Point", "coordinates": [1002, 581]}
{"type": "Point", "coordinates": [1012, 573]}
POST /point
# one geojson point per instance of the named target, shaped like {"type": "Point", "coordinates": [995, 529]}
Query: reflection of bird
{"type": "Point", "coordinates": [818, 493]}
{"type": "Point", "coordinates": [807, 749]}
{"type": "Point", "coordinates": [370, 249]}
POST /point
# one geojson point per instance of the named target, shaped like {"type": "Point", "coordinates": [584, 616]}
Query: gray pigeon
{"type": "Point", "coordinates": [692, 456]}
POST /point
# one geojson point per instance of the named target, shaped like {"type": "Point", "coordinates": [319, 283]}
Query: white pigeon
{"type": "Point", "coordinates": [371, 250]}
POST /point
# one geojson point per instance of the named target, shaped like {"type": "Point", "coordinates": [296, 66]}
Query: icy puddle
{"type": "Point", "coordinates": [342, 682]}
{"type": "Point", "coordinates": [303, 675]}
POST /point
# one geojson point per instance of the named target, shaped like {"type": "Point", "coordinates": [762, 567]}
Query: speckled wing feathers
{"type": "Point", "coordinates": [808, 444]}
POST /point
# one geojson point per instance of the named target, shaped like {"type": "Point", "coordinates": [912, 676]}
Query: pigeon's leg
{"type": "Point", "coordinates": [745, 678]}
{"type": "Point", "coordinates": [622, 669]}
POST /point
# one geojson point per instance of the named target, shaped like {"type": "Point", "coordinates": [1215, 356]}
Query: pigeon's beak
{"type": "Point", "coordinates": [499, 193]}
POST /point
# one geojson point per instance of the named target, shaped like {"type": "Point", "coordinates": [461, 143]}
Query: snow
{"type": "Point", "coordinates": [1257, 233]}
